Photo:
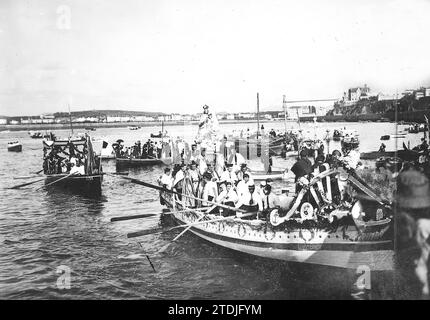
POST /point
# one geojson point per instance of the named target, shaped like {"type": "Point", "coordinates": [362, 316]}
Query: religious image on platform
{"type": "Point", "coordinates": [203, 157]}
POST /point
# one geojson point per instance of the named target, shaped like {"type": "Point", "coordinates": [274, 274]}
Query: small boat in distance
{"type": "Point", "coordinates": [90, 129]}
{"type": "Point", "coordinates": [14, 146]}
{"type": "Point", "coordinates": [134, 127]}
{"type": "Point", "coordinates": [40, 135]}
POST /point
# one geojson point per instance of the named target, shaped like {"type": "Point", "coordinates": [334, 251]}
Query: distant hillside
{"type": "Point", "coordinates": [107, 113]}
{"type": "Point", "coordinates": [373, 106]}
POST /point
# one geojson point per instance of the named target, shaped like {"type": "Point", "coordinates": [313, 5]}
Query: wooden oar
{"type": "Point", "coordinates": [26, 184]}
{"type": "Point", "coordinates": [62, 178]}
{"type": "Point", "coordinates": [146, 215]}
{"type": "Point", "coordinates": [149, 185]}
{"type": "Point", "coordinates": [162, 230]}
{"type": "Point", "coordinates": [24, 177]}
{"type": "Point", "coordinates": [37, 172]}
{"type": "Point", "coordinates": [137, 216]}
{"type": "Point", "coordinates": [189, 227]}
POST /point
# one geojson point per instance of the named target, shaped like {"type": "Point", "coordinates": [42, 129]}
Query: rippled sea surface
{"type": "Point", "coordinates": [42, 233]}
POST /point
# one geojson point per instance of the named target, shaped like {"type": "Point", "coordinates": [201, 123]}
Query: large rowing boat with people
{"type": "Point", "coordinates": [149, 153]}
{"type": "Point", "coordinates": [329, 217]}
{"type": "Point", "coordinates": [72, 164]}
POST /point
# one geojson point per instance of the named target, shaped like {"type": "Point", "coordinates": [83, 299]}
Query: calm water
{"type": "Point", "coordinates": [41, 231]}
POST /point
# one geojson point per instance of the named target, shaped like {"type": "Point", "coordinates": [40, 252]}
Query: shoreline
{"type": "Point", "coordinates": [99, 125]}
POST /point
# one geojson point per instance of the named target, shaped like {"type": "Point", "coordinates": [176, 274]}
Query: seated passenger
{"type": "Point", "coordinates": [228, 197]}
{"type": "Point", "coordinates": [242, 186]}
{"type": "Point", "coordinates": [250, 201]}
{"type": "Point", "coordinates": [210, 189]}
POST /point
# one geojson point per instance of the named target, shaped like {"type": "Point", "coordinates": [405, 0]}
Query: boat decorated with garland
{"type": "Point", "coordinates": [313, 227]}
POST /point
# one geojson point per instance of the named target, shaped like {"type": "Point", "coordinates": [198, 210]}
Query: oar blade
{"type": "Point", "coordinates": [138, 216]}
{"type": "Point", "coordinates": [26, 184]}
{"type": "Point", "coordinates": [145, 232]}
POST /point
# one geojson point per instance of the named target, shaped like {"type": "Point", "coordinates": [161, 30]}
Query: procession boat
{"type": "Point", "coordinates": [338, 244]}
{"type": "Point", "coordinates": [136, 162]}
{"type": "Point", "coordinates": [86, 183]}
{"type": "Point", "coordinates": [14, 146]}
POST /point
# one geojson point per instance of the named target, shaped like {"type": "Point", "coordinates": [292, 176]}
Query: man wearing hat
{"type": "Point", "coordinates": [244, 170]}
{"type": "Point", "coordinates": [250, 200]}
{"type": "Point", "coordinates": [228, 174]}
{"type": "Point", "coordinates": [412, 232]}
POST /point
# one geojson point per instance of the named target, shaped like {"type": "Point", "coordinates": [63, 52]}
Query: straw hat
{"type": "Point", "coordinates": [413, 190]}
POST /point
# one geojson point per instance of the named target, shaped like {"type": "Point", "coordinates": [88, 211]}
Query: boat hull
{"type": "Point", "coordinates": [15, 148]}
{"type": "Point", "coordinates": [132, 163]}
{"type": "Point", "coordinates": [343, 247]}
{"type": "Point", "coordinates": [86, 185]}
{"type": "Point", "coordinates": [407, 155]}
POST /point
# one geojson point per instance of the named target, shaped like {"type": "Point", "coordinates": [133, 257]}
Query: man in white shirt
{"type": "Point", "coordinates": [250, 201]}
{"type": "Point", "coordinates": [194, 175]}
{"type": "Point", "coordinates": [242, 186]}
{"type": "Point", "coordinates": [194, 153]}
{"type": "Point", "coordinates": [202, 161]}
{"type": "Point", "coordinates": [166, 179]}
{"type": "Point", "coordinates": [236, 159]}
{"type": "Point", "coordinates": [228, 197]}
{"type": "Point", "coordinates": [228, 174]}
{"type": "Point", "coordinates": [210, 189]}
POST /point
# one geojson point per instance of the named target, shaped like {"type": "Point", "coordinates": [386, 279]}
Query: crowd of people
{"type": "Point", "coordinates": [148, 150]}
{"type": "Point", "coordinates": [67, 160]}
{"type": "Point", "coordinates": [234, 186]}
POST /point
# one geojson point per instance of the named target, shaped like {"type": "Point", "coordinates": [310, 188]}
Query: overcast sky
{"type": "Point", "coordinates": [177, 55]}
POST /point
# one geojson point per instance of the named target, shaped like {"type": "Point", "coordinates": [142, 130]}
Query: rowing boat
{"type": "Point", "coordinates": [301, 235]}
{"type": "Point", "coordinates": [88, 184]}
{"type": "Point", "coordinates": [133, 162]}
{"type": "Point", "coordinates": [14, 146]}
{"type": "Point", "coordinates": [86, 181]}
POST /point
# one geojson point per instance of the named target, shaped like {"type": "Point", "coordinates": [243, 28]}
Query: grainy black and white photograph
{"type": "Point", "coordinates": [214, 150]}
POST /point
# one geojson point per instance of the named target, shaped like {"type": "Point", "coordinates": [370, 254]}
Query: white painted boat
{"type": "Point", "coordinates": [344, 245]}
{"type": "Point", "coordinates": [14, 146]}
